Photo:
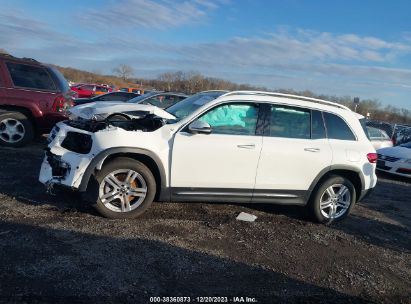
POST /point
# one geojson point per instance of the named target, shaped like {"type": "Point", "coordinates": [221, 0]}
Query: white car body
{"type": "Point", "coordinates": [395, 160]}
{"type": "Point", "coordinates": [220, 167]}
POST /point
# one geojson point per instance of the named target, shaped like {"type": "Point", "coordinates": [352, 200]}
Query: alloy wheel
{"type": "Point", "coordinates": [335, 201]}
{"type": "Point", "coordinates": [123, 190]}
{"type": "Point", "coordinates": [11, 130]}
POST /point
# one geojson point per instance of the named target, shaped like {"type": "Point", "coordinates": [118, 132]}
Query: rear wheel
{"type": "Point", "coordinates": [16, 129]}
{"type": "Point", "coordinates": [126, 188]}
{"type": "Point", "coordinates": [333, 199]}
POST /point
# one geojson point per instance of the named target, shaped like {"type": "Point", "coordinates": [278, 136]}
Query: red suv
{"type": "Point", "coordinates": [33, 98]}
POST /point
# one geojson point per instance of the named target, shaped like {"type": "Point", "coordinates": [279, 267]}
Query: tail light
{"type": "Point", "coordinates": [61, 104]}
{"type": "Point", "coordinates": [372, 157]}
{"type": "Point", "coordinates": [58, 104]}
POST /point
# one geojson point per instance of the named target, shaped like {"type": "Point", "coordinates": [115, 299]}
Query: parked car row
{"type": "Point", "coordinates": [123, 150]}
{"type": "Point", "coordinates": [35, 96]}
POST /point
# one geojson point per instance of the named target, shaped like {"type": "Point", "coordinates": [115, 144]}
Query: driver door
{"type": "Point", "coordinates": [222, 165]}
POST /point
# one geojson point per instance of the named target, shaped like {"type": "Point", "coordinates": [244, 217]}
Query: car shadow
{"type": "Point", "coordinates": [48, 265]}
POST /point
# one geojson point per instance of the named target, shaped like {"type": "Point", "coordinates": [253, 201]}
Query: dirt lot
{"type": "Point", "coordinates": [57, 249]}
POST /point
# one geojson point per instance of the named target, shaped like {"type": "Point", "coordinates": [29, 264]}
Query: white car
{"type": "Point", "coordinates": [379, 138]}
{"type": "Point", "coordinates": [242, 147]}
{"type": "Point", "coordinates": [395, 160]}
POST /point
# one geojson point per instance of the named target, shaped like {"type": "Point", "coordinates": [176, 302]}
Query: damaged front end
{"type": "Point", "coordinates": [74, 143]}
{"type": "Point", "coordinates": [144, 122]}
{"type": "Point", "coordinates": [130, 117]}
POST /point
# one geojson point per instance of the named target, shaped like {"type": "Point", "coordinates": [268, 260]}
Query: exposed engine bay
{"type": "Point", "coordinates": [145, 123]}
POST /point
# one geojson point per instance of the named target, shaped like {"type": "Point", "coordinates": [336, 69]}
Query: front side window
{"type": "Point", "coordinates": [337, 128]}
{"type": "Point", "coordinates": [233, 119]}
{"type": "Point", "coordinates": [290, 122]}
{"type": "Point", "coordinates": [27, 76]}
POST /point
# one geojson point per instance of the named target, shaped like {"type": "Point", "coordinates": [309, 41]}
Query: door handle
{"type": "Point", "coordinates": [249, 146]}
{"type": "Point", "coordinates": [312, 149]}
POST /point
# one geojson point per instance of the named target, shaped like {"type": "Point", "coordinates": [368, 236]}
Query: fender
{"type": "Point", "coordinates": [331, 168]}
{"type": "Point", "coordinates": [98, 160]}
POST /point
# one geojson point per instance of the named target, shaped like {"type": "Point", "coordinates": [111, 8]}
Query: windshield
{"type": "Point", "coordinates": [142, 97]}
{"type": "Point", "coordinates": [184, 108]}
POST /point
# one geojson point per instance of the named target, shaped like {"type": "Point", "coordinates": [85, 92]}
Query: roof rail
{"type": "Point", "coordinates": [275, 94]}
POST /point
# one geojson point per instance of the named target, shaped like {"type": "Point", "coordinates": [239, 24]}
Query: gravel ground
{"type": "Point", "coordinates": [57, 249]}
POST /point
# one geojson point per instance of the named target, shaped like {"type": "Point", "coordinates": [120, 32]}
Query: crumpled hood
{"type": "Point", "coordinates": [107, 108]}
{"type": "Point", "coordinates": [398, 151]}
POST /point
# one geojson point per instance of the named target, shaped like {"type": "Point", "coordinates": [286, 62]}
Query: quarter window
{"type": "Point", "coordinates": [28, 76]}
{"type": "Point", "coordinates": [233, 119]}
{"type": "Point", "coordinates": [290, 122]}
{"type": "Point", "coordinates": [337, 127]}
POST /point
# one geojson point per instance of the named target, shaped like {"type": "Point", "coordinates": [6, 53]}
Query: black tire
{"type": "Point", "coordinates": [119, 164]}
{"type": "Point", "coordinates": [24, 126]}
{"type": "Point", "coordinates": [320, 194]}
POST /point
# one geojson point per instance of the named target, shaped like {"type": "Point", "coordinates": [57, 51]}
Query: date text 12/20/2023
{"type": "Point", "coordinates": [203, 300]}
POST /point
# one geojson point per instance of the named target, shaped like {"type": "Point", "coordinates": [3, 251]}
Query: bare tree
{"type": "Point", "coordinates": [124, 71]}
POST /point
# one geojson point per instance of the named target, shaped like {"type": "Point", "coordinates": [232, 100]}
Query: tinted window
{"type": "Point", "coordinates": [337, 128]}
{"type": "Point", "coordinates": [87, 87]}
{"type": "Point", "coordinates": [101, 89]}
{"type": "Point", "coordinates": [290, 122]}
{"type": "Point", "coordinates": [234, 119]}
{"type": "Point", "coordinates": [28, 76]}
{"type": "Point", "coordinates": [318, 129]}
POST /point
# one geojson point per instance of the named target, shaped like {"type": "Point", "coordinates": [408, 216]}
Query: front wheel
{"type": "Point", "coordinates": [126, 188]}
{"type": "Point", "coordinates": [333, 199]}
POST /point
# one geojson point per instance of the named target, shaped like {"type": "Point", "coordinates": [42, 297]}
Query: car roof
{"type": "Point", "coordinates": [287, 99]}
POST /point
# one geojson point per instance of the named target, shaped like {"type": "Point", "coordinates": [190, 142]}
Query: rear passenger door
{"type": "Point", "coordinates": [295, 150]}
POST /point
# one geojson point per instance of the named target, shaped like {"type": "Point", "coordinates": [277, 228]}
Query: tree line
{"type": "Point", "coordinates": [193, 82]}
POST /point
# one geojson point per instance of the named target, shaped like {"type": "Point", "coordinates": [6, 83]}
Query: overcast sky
{"type": "Point", "coordinates": [357, 48]}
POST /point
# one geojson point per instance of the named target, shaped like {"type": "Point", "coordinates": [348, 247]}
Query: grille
{"type": "Point", "coordinates": [391, 159]}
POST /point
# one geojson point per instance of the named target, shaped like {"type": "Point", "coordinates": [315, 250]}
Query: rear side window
{"type": "Point", "coordinates": [59, 79]}
{"type": "Point", "coordinates": [337, 128]}
{"type": "Point", "coordinates": [28, 76]}
{"type": "Point", "coordinates": [290, 122]}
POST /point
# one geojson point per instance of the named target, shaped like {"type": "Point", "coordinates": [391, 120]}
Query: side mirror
{"type": "Point", "coordinates": [199, 127]}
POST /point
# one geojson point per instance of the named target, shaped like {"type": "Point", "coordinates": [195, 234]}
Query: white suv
{"type": "Point", "coordinates": [241, 147]}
